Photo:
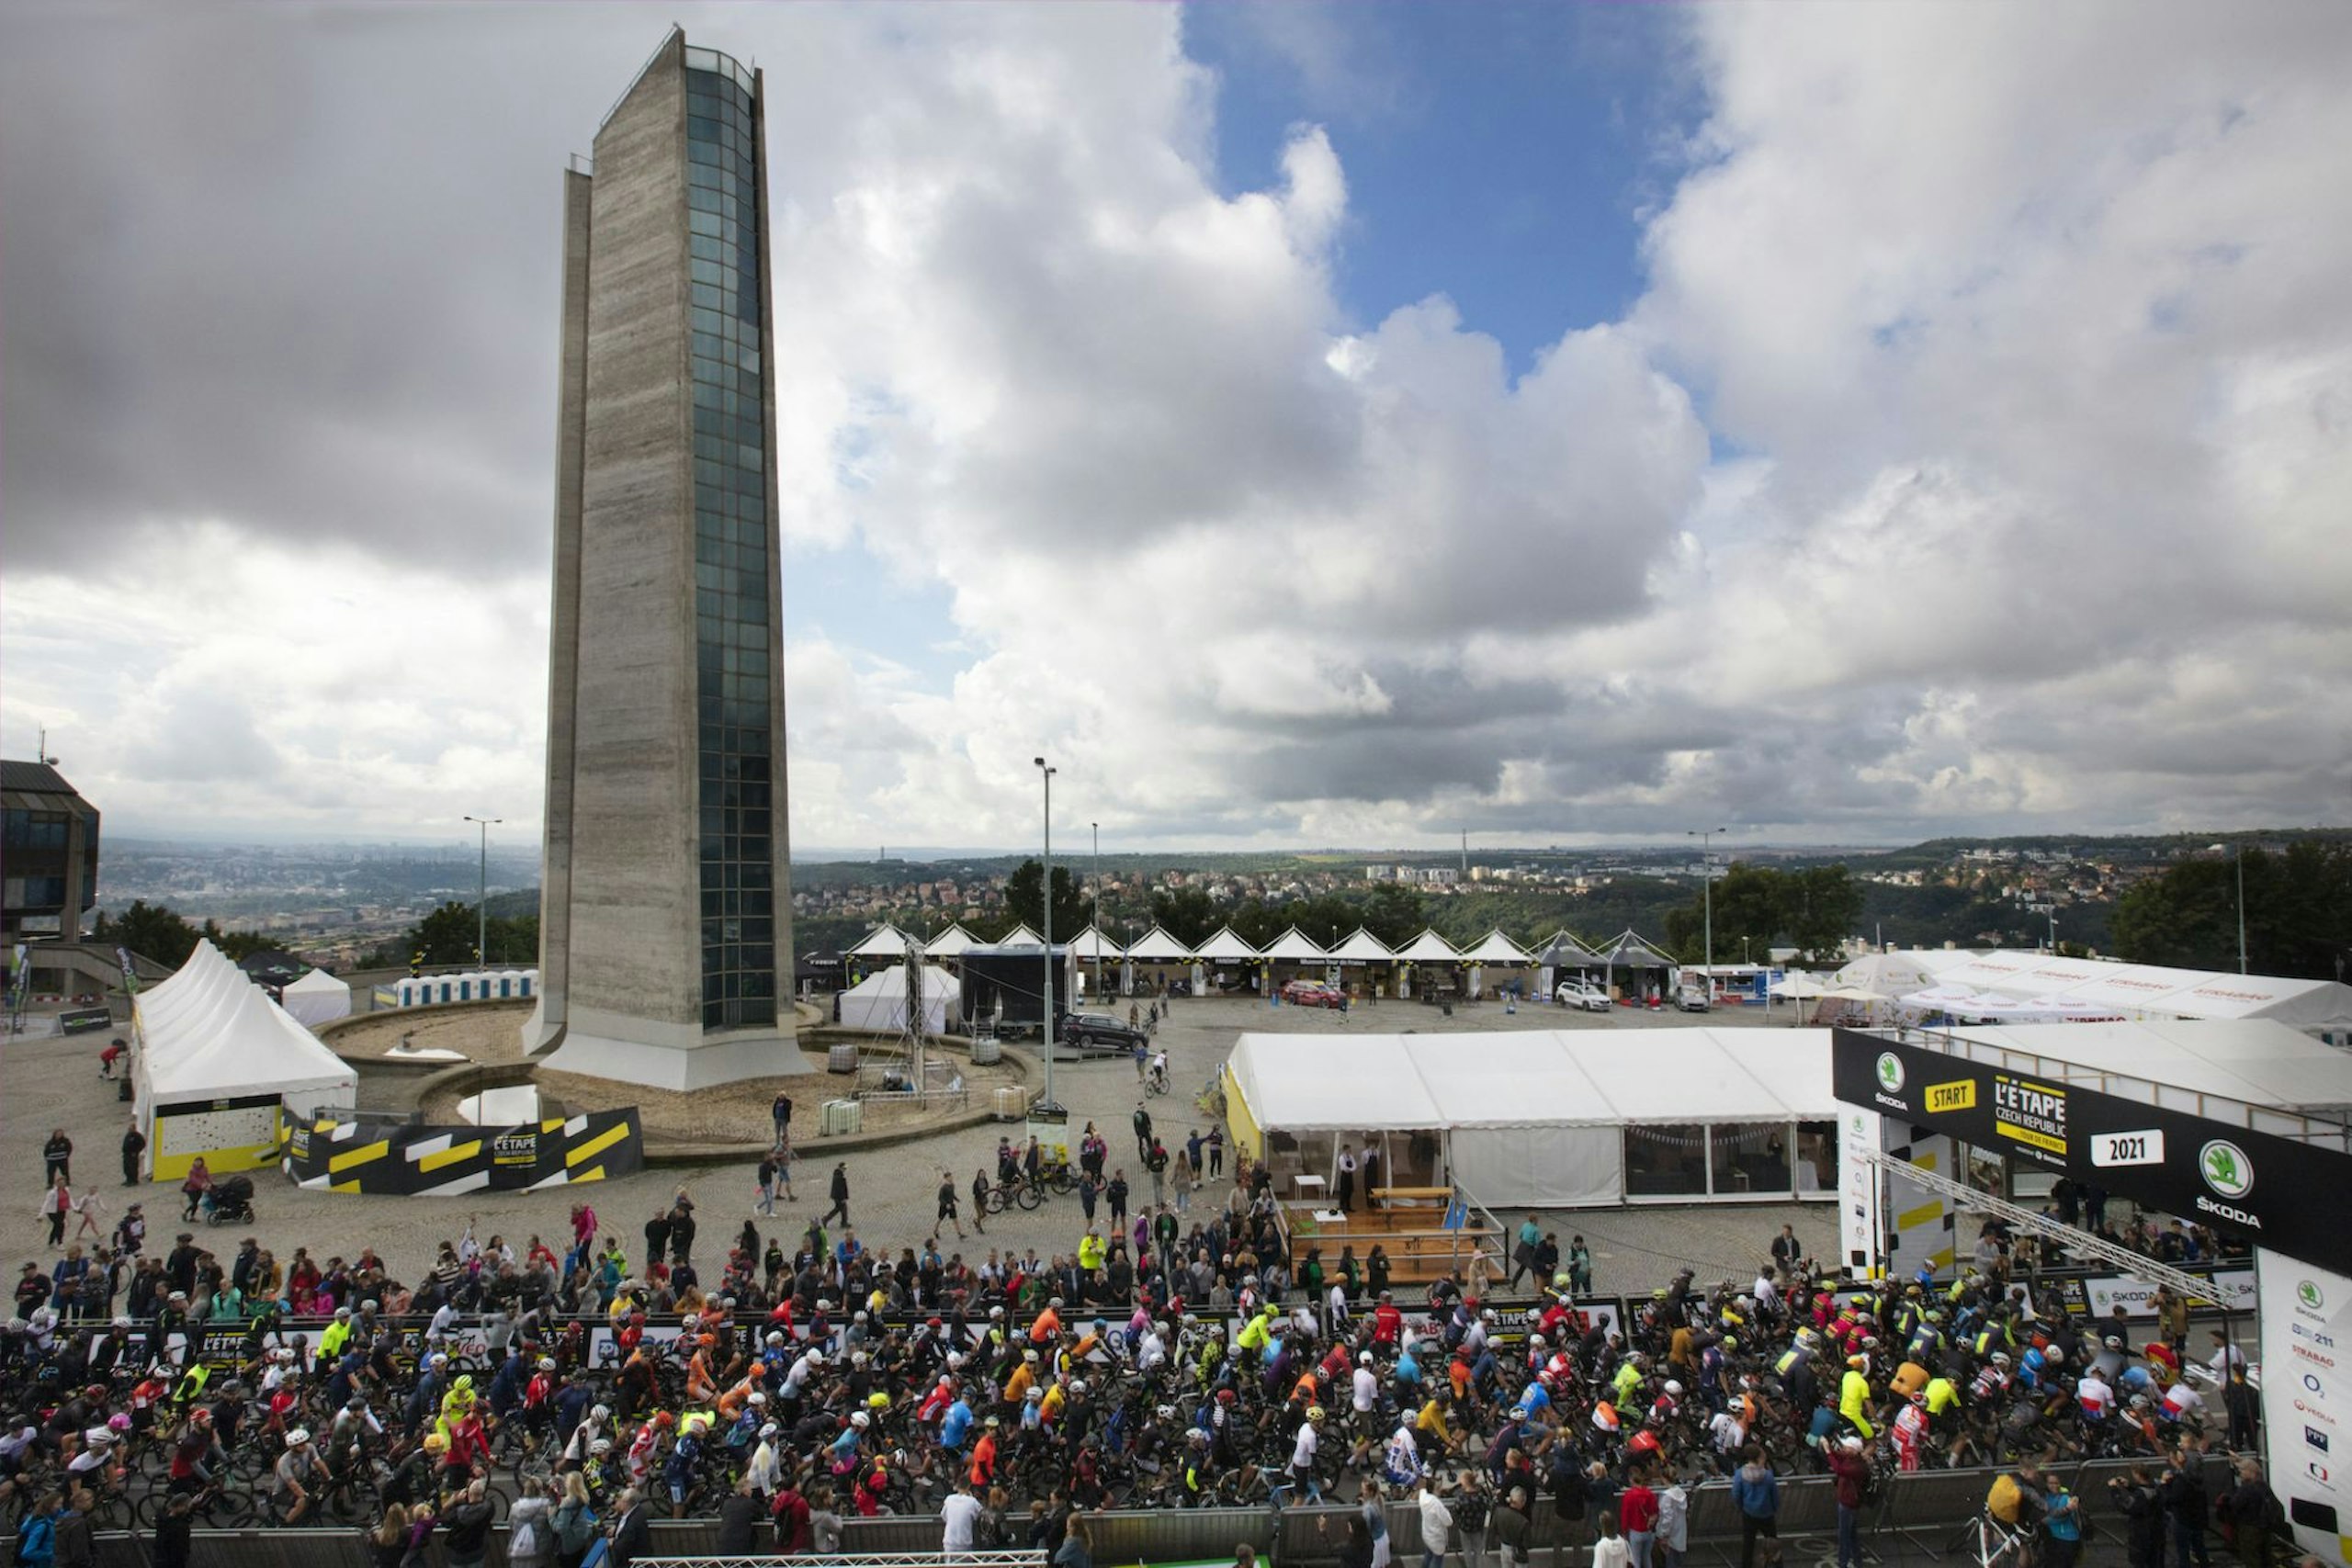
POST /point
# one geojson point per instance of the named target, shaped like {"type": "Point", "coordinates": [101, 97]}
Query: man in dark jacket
{"type": "Point", "coordinates": [1512, 1529]}
{"type": "Point", "coordinates": [632, 1531]}
{"type": "Point", "coordinates": [465, 1524]}
{"type": "Point", "coordinates": [737, 1517]}
{"type": "Point", "coordinates": [839, 1193]}
{"type": "Point", "coordinates": [1850, 1472]}
{"type": "Point", "coordinates": [2183, 1491]}
{"type": "Point", "coordinates": [134, 1143]}
{"type": "Point", "coordinates": [2252, 1512]}
{"type": "Point", "coordinates": [2141, 1504]}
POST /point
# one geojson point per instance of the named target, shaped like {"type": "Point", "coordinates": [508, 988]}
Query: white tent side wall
{"type": "Point", "coordinates": [877, 1004]}
{"type": "Point", "coordinates": [317, 998]}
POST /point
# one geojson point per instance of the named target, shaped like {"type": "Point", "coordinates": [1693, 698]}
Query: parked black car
{"type": "Point", "coordinates": [1100, 1032]}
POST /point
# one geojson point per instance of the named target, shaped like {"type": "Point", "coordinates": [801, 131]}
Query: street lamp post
{"type": "Point", "coordinates": [2241, 908]}
{"type": "Point", "coordinates": [1095, 925]}
{"type": "Point", "coordinates": [481, 894]}
{"type": "Point", "coordinates": [1706, 837]}
{"type": "Point", "coordinates": [1045, 892]}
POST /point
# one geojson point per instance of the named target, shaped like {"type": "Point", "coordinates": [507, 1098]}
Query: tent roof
{"type": "Point", "coordinates": [318, 981]}
{"type": "Point", "coordinates": [1633, 951]}
{"type": "Point", "coordinates": [1296, 945]}
{"type": "Point", "coordinates": [883, 941]}
{"type": "Point", "coordinates": [2138, 990]}
{"type": "Point", "coordinates": [1498, 948]}
{"type": "Point", "coordinates": [1562, 951]}
{"type": "Point", "coordinates": [2260, 1061]}
{"type": "Point", "coordinates": [1363, 945]}
{"type": "Point", "coordinates": [949, 944]}
{"type": "Point", "coordinates": [1021, 936]}
{"type": "Point", "coordinates": [1533, 1077]}
{"type": "Point", "coordinates": [1428, 948]}
{"type": "Point", "coordinates": [1091, 943]}
{"type": "Point", "coordinates": [936, 982]}
{"type": "Point", "coordinates": [227, 1038]}
{"type": "Point", "coordinates": [1223, 946]}
{"type": "Point", "coordinates": [1156, 945]}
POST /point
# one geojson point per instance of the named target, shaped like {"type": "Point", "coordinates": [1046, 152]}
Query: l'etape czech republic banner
{"type": "Point", "coordinates": [435, 1162]}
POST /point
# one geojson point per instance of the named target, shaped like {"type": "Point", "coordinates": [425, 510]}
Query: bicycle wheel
{"type": "Point", "coordinates": [1061, 1181]}
{"type": "Point", "coordinates": [1031, 1194]}
{"type": "Point", "coordinates": [995, 1205]}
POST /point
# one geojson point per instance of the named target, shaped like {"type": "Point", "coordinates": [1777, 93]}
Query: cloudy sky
{"type": "Point", "coordinates": [1308, 426]}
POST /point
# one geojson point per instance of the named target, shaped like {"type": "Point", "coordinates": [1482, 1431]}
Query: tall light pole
{"type": "Point", "coordinates": [1046, 890]}
{"type": "Point", "coordinates": [1706, 837]}
{"type": "Point", "coordinates": [2241, 906]}
{"type": "Point", "coordinates": [1095, 925]}
{"type": "Point", "coordinates": [482, 896]}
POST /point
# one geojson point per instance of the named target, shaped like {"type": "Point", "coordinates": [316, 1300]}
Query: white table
{"type": "Point", "coordinates": [1308, 1186]}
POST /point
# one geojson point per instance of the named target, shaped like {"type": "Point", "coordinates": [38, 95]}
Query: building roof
{"type": "Point", "coordinates": [34, 777]}
{"type": "Point", "coordinates": [2102, 988]}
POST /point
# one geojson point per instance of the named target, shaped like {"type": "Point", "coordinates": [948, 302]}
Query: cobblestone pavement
{"type": "Point", "coordinates": [54, 1082]}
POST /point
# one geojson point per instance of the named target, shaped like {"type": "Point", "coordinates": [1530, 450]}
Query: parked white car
{"type": "Point", "coordinates": [1582, 994]}
{"type": "Point", "coordinates": [1694, 998]}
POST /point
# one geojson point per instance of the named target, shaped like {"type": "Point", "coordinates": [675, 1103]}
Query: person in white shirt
{"type": "Point", "coordinates": [767, 1471]}
{"type": "Point", "coordinates": [2225, 1356]}
{"type": "Point", "coordinates": [1152, 1352]}
{"type": "Point", "coordinates": [2182, 1403]}
{"type": "Point", "coordinates": [1767, 1292]}
{"type": "Point", "coordinates": [1366, 1392]}
{"type": "Point", "coordinates": [2096, 1395]}
{"type": "Point", "coordinates": [1302, 1456]}
{"type": "Point", "coordinates": [1337, 1307]}
{"type": "Point", "coordinates": [1437, 1524]}
{"type": "Point", "coordinates": [958, 1516]}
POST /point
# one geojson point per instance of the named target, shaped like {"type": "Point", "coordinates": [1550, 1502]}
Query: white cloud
{"type": "Point", "coordinates": [2030, 330]}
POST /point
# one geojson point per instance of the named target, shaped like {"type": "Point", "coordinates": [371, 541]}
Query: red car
{"type": "Point", "coordinates": [1314, 994]}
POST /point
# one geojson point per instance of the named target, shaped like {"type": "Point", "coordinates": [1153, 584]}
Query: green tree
{"type": "Point", "coordinates": [1826, 902]}
{"type": "Point", "coordinates": [1073, 912]}
{"type": "Point", "coordinates": [1186, 913]}
{"type": "Point", "coordinates": [1395, 914]}
{"type": "Point", "coordinates": [2298, 912]}
{"type": "Point", "coordinates": [151, 930]}
{"type": "Point", "coordinates": [1751, 907]}
{"type": "Point", "coordinates": [237, 946]}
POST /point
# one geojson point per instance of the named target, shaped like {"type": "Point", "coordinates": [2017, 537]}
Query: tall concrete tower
{"type": "Point", "coordinates": [665, 927]}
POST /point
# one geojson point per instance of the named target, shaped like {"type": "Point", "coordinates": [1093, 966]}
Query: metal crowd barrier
{"type": "Point", "coordinates": [1940, 1503]}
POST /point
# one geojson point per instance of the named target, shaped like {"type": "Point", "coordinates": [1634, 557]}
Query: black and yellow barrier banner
{"type": "Point", "coordinates": [439, 1162]}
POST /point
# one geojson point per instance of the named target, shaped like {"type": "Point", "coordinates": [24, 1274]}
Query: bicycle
{"type": "Point", "coordinates": [1155, 1084]}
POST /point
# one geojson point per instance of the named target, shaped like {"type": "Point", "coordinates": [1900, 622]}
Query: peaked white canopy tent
{"type": "Point", "coordinates": [1090, 946]}
{"type": "Point", "coordinates": [1294, 946]}
{"type": "Point", "coordinates": [949, 944]}
{"type": "Point", "coordinates": [217, 1062]}
{"type": "Point", "coordinates": [317, 998]}
{"type": "Point", "coordinates": [1362, 947]}
{"type": "Point", "coordinates": [1556, 1118]}
{"type": "Point", "coordinates": [1021, 936]}
{"type": "Point", "coordinates": [1428, 948]}
{"type": "Point", "coordinates": [882, 941]}
{"type": "Point", "coordinates": [1496, 948]}
{"type": "Point", "coordinates": [1224, 947]}
{"type": "Point", "coordinates": [878, 1002]}
{"type": "Point", "coordinates": [1156, 946]}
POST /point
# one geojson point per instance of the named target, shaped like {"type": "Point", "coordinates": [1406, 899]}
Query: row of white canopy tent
{"type": "Point", "coordinates": [2006, 985]}
{"type": "Point", "coordinates": [216, 1059]}
{"type": "Point", "coordinates": [1630, 951]}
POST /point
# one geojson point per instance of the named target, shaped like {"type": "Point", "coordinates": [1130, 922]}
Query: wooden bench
{"type": "Point", "coordinates": [1417, 1251]}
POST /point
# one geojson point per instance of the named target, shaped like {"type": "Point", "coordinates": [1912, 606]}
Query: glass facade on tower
{"type": "Point", "coordinates": [731, 546]}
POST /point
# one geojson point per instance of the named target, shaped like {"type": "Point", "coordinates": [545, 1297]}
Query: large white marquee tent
{"type": "Point", "coordinates": [1557, 1118]}
{"type": "Point", "coordinates": [2092, 987]}
{"type": "Point", "coordinates": [216, 1060]}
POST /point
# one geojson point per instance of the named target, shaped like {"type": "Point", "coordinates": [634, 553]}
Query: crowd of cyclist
{"type": "Point", "coordinates": [817, 1379]}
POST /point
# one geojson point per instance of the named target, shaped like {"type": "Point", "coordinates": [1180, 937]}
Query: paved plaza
{"type": "Point", "coordinates": [54, 1082]}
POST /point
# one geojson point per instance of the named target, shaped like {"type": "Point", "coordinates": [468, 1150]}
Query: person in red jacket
{"type": "Point", "coordinates": [1638, 1513]}
{"type": "Point", "coordinates": [1850, 1473]}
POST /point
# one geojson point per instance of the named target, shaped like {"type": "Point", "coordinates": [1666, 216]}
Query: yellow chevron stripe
{"type": "Point", "coordinates": [360, 1156]}
{"type": "Point", "coordinates": [554, 1126]}
{"type": "Point", "coordinates": [351, 1186]}
{"type": "Point", "coordinates": [591, 1147]}
{"type": "Point", "coordinates": [593, 1173]}
{"type": "Point", "coordinates": [1910, 1219]}
{"type": "Point", "coordinates": [450, 1156]}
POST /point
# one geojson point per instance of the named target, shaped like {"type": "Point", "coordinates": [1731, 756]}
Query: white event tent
{"type": "Point", "coordinates": [882, 941]}
{"type": "Point", "coordinates": [317, 998]}
{"type": "Point", "coordinates": [1362, 947]}
{"type": "Point", "coordinates": [1223, 947]}
{"type": "Point", "coordinates": [1090, 946]}
{"type": "Point", "coordinates": [1555, 1118]}
{"type": "Point", "coordinates": [1156, 946]}
{"type": "Point", "coordinates": [878, 1002]}
{"type": "Point", "coordinates": [216, 1060]}
{"type": "Point", "coordinates": [1428, 948]}
{"type": "Point", "coordinates": [1294, 946]}
{"type": "Point", "coordinates": [949, 944]}
{"type": "Point", "coordinates": [2086, 988]}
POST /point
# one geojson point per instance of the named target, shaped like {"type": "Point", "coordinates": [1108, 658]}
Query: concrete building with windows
{"type": "Point", "coordinates": [49, 855]}
{"type": "Point", "coordinates": [665, 925]}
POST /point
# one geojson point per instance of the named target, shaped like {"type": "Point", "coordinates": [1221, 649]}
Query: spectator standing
{"type": "Point", "coordinates": [1437, 1523]}
{"type": "Point", "coordinates": [1522, 1253]}
{"type": "Point", "coordinates": [839, 1192]}
{"type": "Point", "coordinates": [1612, 1549]}
{"type": "Point", "coordinates": [780, 1115]}
{"type": "Point", "coordinates": [57, 1157]}
{"type": "Point", "coordinates": [2183, 1491]}
{"type": "Point", "coordinates": [2061, 1526]}
{"type": "Point", "coordinates": [465, 1524]}
{"type": "Point", "coordinates": [134, 1143]}
{"type": "Point", "coordinates": [1850, 1472]}
{"type": "Point", "coordinates": [1673, 1524]}
{"type": "Point", "coordinates": [1347, 1192]}
{"type": "Point", "coordinates": [946, 1214]}
{"type": "Point", "coordinates": [767, 1183]}
{"type": "Point", "coordinates": [1638, 1511]}
{"type": "Point", "coordinates": [1757, 1491]}
{"type": "Point", "coordinates": [2141, 1506]}
{"type": "Point", "coordinates": [1510, 1528]}
{"type": "Point", "coordinates": [55, 1204]}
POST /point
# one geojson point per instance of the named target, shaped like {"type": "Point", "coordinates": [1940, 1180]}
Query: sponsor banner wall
{"type": "Point", "coordinates": [430, 1162]}
{"type": "Point", "coordinates": [2232, 1288]}
{"type": "Point", "coordinates": [2307, 1399]}
{"type": "Point", "coordinates": [1857, 1192]}
{"type": "Point", "coordinates": [2254, 1187]}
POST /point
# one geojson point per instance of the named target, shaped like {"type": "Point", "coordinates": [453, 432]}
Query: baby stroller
{"type": "Point", "coordinates": [230, 1201]}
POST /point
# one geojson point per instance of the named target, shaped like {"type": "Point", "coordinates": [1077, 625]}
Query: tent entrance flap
{"type": "Point", "coordinates": [1540, 1167]}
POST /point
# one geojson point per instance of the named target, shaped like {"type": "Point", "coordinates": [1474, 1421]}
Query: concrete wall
{"type": "Point", "coordinates": [636, 940]}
